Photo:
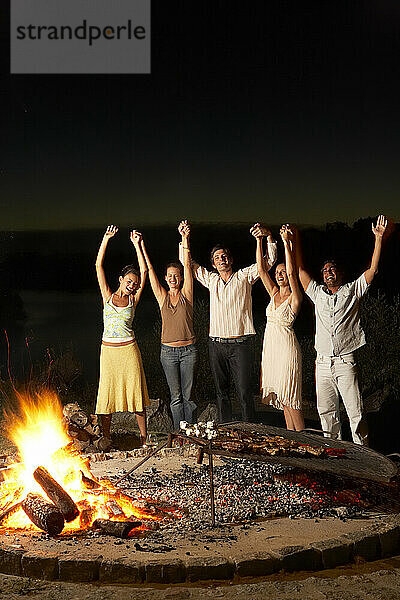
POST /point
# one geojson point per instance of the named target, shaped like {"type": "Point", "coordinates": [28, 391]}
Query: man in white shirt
{"type": "Point", "coordinates": [338, 334]}
{"type": "Point", "coordinates": [231, 325]}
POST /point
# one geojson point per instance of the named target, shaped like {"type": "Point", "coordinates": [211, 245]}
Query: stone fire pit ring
{"type": "Point", "coordinates": [259, 550]}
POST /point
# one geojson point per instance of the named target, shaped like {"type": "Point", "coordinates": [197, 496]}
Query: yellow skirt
{"type": "Point", "coordinates": [122, 385]}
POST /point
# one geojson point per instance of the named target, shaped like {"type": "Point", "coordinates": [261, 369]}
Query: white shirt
{"type": "Point", "coordinates": [231, 313]}
{"type": "Point", "coordinates": [338, 329]}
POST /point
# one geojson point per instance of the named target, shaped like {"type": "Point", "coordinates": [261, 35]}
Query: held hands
{"type": "Point", "coordinates": [286, 234]}
{"type": "Point", "coordinates": [184, 229]}
{"type": "Point", "coordinates": [110, 231]}
{"type": "Point", "coordinates": [259, 231]}
{"type": "Point", "coordinates": [380, 227]}
{"type": "Point", "coordinates": [136, 237]}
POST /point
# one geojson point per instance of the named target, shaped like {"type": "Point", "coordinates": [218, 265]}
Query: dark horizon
{"type": "Point", "coordinates": [275, 226]}
{"type": "Point", "coordinates": [64, 260]}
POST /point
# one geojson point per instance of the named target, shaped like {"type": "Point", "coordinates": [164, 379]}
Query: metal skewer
{"type": "Point", "coordinates": [146, 458]}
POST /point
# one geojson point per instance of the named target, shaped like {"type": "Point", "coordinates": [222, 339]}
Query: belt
{"type": "Point", "coordinates": [235, 340]}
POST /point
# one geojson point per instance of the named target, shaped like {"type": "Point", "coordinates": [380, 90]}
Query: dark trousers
{"type": "Point", "coordinates": [233, 361]}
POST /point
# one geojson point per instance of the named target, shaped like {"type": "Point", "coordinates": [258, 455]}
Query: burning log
{"type": "Point", "coordinates": [5, 470]}
{"type": "Point", "coordinates": [57, 494]}
{"type": "Point", "coordinates": [43, 514]}
{"type": "Point", "coordinates": [119, 529]}
{"type": "Point", "coordinates": [86, 514]}
{"type": "Point", "coordinates": [9, 511]}
{"type": "Point", "coordinates": [114, 510]}
{"type": "Point", "coordinates": [11, 497]}
{"type": "Point", "coordinates": [89, 484]}
{"type": "Point", "coordinates": [86, 517]}
{"type": "Point", "coordinates": [150, 525]}
{"type": "Point", "coordinates": [162, 509]}
{"type": "Point", "coordinates": [64, 452]}
{"type": "Point", "coordinates": [151, 509]}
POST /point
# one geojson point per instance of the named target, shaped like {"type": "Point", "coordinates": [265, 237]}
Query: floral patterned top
{"type": "Point", "coordinates": [118, 321]}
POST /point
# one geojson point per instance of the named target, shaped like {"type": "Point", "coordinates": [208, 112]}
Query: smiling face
{"type": "Point", "coordinates": [281, 276]}
{"type": "Point", "coordinates": [129, 284]}
{"type": "Point", "coordinates": [331, 275]}
{"type": "Point", "coordinates": [221, 261]}
{"type": "Point", "coordinates": [173, 278]}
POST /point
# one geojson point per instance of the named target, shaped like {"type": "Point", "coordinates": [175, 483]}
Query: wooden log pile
{"type": "Point", "coordinates": [84, 429]}
{"type": "Point", "coordinates": [58, 508]}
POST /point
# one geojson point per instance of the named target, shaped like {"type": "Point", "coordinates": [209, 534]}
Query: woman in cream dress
{"type": "Point", "coordinates": [281, 355]}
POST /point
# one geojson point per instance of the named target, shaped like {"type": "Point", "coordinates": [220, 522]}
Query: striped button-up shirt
{"type": "Point", "coordinates": [338, 330]}
{"type": "Point", "coordinates": [231, 313]}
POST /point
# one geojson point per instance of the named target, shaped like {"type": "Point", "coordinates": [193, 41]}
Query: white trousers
{"type": "Point", "coordinates": [337, 375]}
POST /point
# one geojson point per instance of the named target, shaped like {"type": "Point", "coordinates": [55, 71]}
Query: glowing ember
{"type": "Point", "coordinates": [42, 441]}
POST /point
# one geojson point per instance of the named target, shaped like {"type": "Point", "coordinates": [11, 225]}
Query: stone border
{"type": "Point", "coordinates": [381, 540]}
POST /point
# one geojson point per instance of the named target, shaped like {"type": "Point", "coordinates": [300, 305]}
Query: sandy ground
{"type": "Point", "coordinates": [229, 541]}
{"type": "Point", "coordinates": [379, 580]}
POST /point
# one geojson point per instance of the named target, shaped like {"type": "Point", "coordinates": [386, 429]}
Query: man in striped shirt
{"type": "Point", "coordinates": [231, 325]}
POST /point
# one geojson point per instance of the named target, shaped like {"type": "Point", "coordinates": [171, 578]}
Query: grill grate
{"type": "Point", "coordinates": [358, 461]}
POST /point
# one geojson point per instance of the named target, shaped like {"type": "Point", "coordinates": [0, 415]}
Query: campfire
{"type": "Point", "coordinates": [51, 487]}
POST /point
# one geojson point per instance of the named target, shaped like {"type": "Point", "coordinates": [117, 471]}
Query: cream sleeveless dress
{"type": "Point", "coordinates": [281, 358]}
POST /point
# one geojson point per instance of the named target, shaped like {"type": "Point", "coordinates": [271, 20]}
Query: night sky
{"type": "Point", "coordinates": [276, 111]}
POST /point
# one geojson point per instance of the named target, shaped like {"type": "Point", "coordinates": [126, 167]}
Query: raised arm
{"type": "Point", "coordinates": [378, 230]}
{"type": "Point", "coordinates": [290, 261]}
{"type": "Point", "coordinates": [187, 288]}
{"type": "Point", "coordinates": [101, 276]}
{"type": "Point", "coordinates": [271, 253]}
{"type": "Point", "coordinates": [304, 276]}
{"type": "Point", "coordinates": [262, 267]}
{"type": "Point", "coordinates": [194, 265]}
{"type": "Point", "coordinates": [136, 239]}
{"type": "Point", "coordinates": [158, 290]}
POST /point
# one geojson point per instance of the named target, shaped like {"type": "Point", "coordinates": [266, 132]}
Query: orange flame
{"type": "Point", "coordinates": [41, 438]}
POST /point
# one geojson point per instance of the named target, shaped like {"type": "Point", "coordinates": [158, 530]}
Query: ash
{"type": "Point", "coordinates": [245, 491]}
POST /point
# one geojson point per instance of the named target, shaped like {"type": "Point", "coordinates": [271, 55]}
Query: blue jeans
{"type": "Point", "coordinates": [179, 366]}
